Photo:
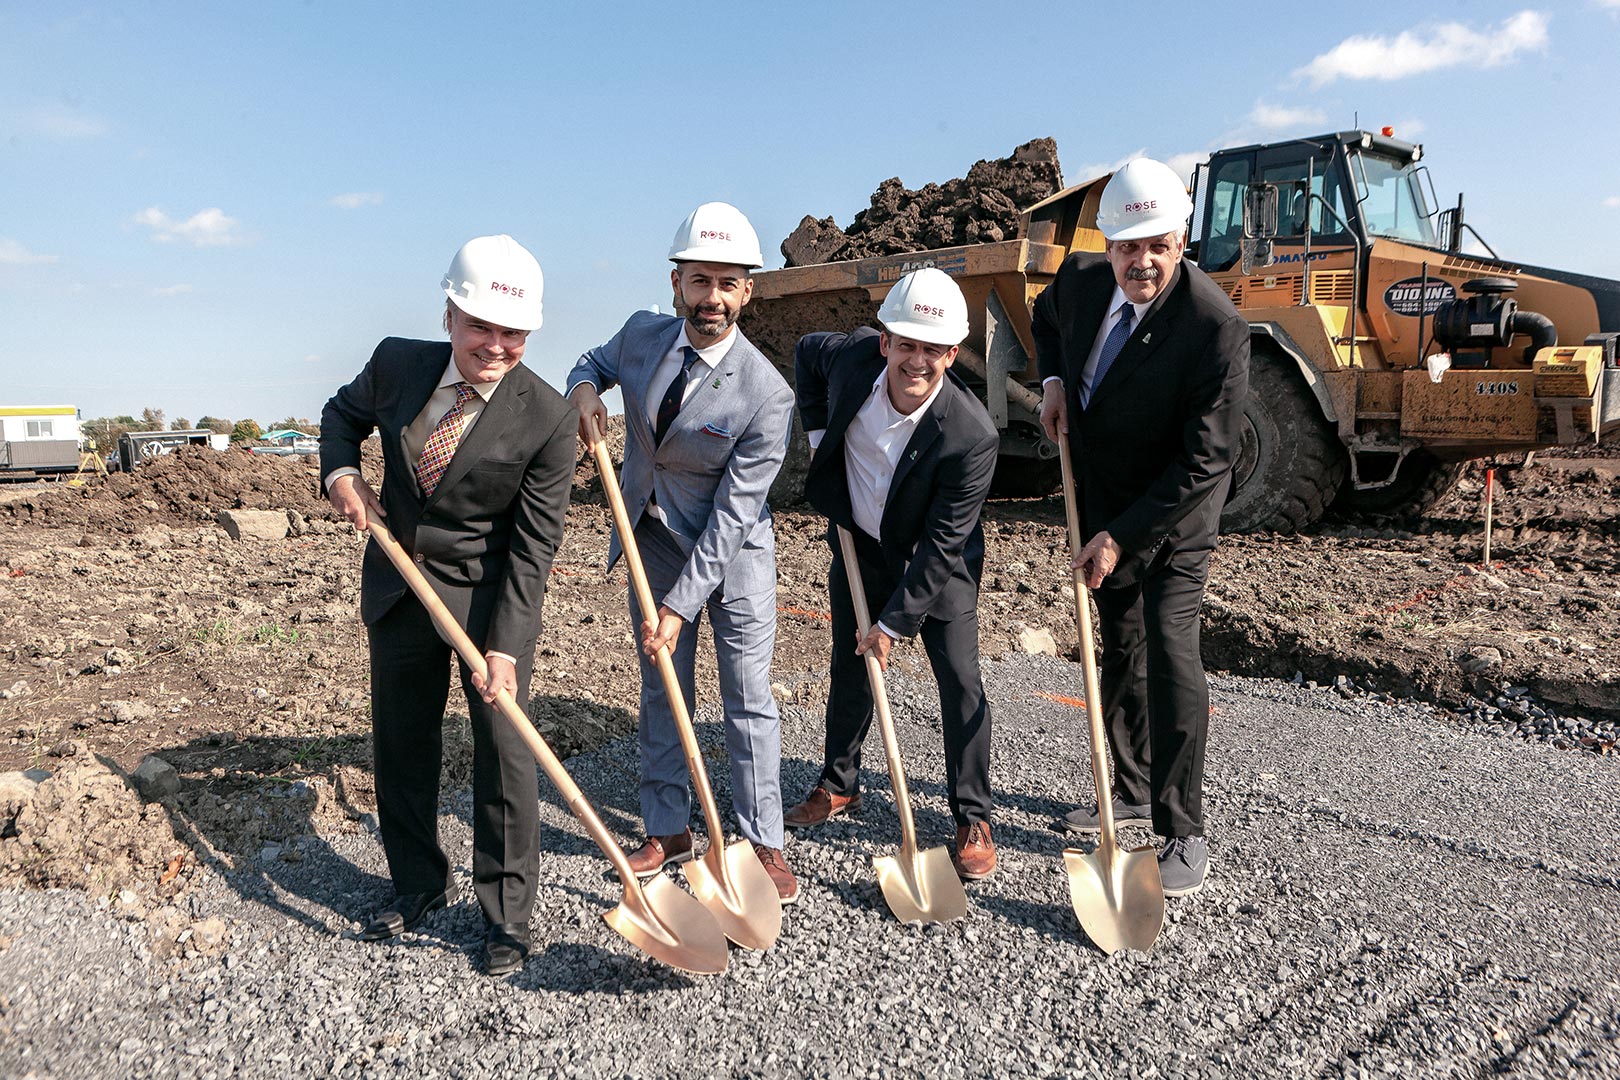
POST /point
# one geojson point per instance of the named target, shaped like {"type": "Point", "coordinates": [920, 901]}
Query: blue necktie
{"type": "Point", "coordinates": [671, 405]}
{"type": "Point", "coordinates": [1112, 346]}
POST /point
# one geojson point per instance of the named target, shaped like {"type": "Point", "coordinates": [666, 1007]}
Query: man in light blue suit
{"type": "Point", "coordinates": [706, 427]}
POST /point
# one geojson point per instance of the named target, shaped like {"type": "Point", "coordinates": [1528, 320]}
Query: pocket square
{"type": "Point", "coordinates": [717, 432]}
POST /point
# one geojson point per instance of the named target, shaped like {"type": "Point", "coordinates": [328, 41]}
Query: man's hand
{"type": "Point", "coordinates": [1098, 559]}
{"type": "Point", "coordinates": [502, 676]}
{"type": "Point", "coordinates": [1054, 410]}
{"type": "Point", "coordinates": [589, 403]}
{"type": "Point", "coordinates": [355, 500]}
{"type": "Point", "coordinates": [876, 643]}
{"type": "Point", "coordinates": [664, 634]}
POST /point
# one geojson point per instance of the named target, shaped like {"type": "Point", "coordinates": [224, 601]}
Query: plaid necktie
{"type": "Point", "coordinates": [441, 445]}
{"type": "Point", "coordinates": [1112, 346]}
{"type": "Point", "coordinates": [670, 407]}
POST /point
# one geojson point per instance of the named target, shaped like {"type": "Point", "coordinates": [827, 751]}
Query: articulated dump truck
{"type": "Point", "coordinates": [1384, 357]}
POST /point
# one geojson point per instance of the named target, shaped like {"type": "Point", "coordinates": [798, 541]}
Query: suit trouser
{"type": "Point", "coordinates": [1155, 696]}
{"type": "Point", "coordinates": [744, 630]}
{"type": "Point", "coordinates": [953, 653]}
{"type": "Point", "coordinates": [410, 685]}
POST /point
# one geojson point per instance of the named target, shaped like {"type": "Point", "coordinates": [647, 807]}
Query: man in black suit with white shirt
{"type": "Point", "coordinates": [903, 457]}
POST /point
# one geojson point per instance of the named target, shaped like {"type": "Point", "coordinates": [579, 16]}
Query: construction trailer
{"type": "Point", "coordinates": [38, 440]}
{"type": "Point", "coordinates": [1355, 284]}
{"type": "Point", "coordinates": [136, 447]}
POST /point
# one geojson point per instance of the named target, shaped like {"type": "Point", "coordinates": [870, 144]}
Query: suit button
{"type": "Point", "coordinates": [659, 467]}
{"type": "Point", "coordinates": [420, 557]}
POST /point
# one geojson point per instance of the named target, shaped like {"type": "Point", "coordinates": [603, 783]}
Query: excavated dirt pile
{"type": "Point", "coordinates": [980, 208]}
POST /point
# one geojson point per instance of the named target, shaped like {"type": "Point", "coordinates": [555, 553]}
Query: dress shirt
{"type": "Point", "coordinates": [666, 371]}
{"type": "Point", "coordinates": [873, 444]}
{"type": "Point", "coordinates": [1108, 323]}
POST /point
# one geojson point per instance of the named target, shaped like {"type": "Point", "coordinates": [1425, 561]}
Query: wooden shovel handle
{"type": "Point", "coordinates": [880, 695]}
{"type": "Point", "coordinates": [453, 632]}
{"type": "Point", "coordinates": [666, 665]}
{"type": "Point", "coordinates": [1088, 655]}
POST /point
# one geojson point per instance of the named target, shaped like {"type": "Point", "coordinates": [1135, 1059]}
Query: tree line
{"type": "Point", "coordinates": [104, 431]}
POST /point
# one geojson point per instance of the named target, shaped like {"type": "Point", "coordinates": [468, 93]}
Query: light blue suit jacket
{"type": "Point", "coordinates": [715, 467]}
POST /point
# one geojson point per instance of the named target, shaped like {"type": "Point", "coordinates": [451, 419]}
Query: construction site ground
{"type": "Point", "coordinates": [1461, 743]}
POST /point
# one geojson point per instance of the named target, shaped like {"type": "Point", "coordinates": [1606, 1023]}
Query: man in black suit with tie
{"type": "Point", "coordinates": [478, 461]}
{"type": "Point", "coordinates": [903, 456]}
{"type": "Point", "coordinates": [1145, 367]}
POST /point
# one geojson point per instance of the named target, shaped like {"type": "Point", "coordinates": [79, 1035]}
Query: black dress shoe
{"type": "Point", "coordinates": [506, 946]}
{"type": "Point", "coordinates": [406, 912]}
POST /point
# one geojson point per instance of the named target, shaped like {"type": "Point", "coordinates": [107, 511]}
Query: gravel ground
{"type": "Point", "coordinates": [1391, 894]}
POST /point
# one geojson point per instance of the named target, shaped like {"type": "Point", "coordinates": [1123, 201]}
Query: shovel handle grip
{"type": "Point", "coordinates": [649, 611]}
{"type": "Point", "coordinates": [880, 693]}
{"type": "Point", "coordinates": [453, 632]}
{"type": "Point", "coordinates": [1088, 655]}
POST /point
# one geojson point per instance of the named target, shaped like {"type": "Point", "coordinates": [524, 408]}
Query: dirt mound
{"type": "Point", "coordinates": [587, 478]}
{"type": "Point", "coordinates": [75, 824]}
{"type": "Point", "coordinates": [980, 208]}
{"type": "Point", "coordinates": [185, 487]}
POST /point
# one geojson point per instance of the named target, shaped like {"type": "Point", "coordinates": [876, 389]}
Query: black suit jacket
{"type": "Point", "coordinates": [932, 541]}
{"type": "Point", "coordinates": [487, 535]}
{"type": "Point", "coordinates": [1154, 449]}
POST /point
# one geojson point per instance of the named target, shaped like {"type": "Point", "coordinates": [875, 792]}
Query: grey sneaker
{"type": "Point", "coordinates": [1084, 820]}
{"type": "Point", "coordinates": [1183, 865]}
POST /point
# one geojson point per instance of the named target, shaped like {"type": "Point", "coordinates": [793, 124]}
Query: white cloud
{"type": "Point", "coordinates": [1409, 130]}
{"type": "Point", "coordinates": [14, 254]}
{"type": "Point", "coordinates": [62, 122]}
{"type": "Point", "coordinates": [205, 228]}
{"type": "Point", "coordinates": [172, 290]}
{"type": "Point", "coordinates": [312, 358]}
{"type": "Point", "coordinates": [354, 200]}
{"type": "Point", "coordinates": [1413, 52]}
{"type": "Point", "coordinates": [1181, 164]}
{"type": "Point", "coordinates": [1184, 164]}
{"type": "Point", "coordinates": [1612, 202]}
{"type": "Point", "coordinates": [1275, 117]}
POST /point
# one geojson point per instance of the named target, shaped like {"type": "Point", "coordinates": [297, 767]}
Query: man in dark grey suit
{"type": "Point", "coordinates": [478, 461]}
{"type": "Point", "coordinates": [1145, 364]}
{"type": "Point", "coordinates": [904, 454]}
{"type": "Point", "coordinates": [706, 427]}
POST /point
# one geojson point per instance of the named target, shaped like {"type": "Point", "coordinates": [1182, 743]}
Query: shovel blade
{"type": "Point", "coordinates": [670, 926]}
{"type": "Point", "coordinates": [731, 883]}
{"type": "Point", "coordinates": [921, 886]}
{"type": "Point", "coordinates": [1117, 895]}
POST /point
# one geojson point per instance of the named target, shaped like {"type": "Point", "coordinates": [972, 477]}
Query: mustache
{"type": "Point", "coordinates": [1142, 273]}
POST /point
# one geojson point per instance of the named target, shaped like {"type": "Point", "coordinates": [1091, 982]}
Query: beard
{"type": "Point", "coordinates": [712, 323]}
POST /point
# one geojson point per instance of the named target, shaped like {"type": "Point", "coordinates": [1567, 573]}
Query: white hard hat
{"type": "Point", "coordinates": [494, 278]}
{"type": "Point", "coordinates": [716, 232]}
{"type": "Point", "coordinates": [926, 305]}
{"type": "Point", "coordinates": [1144, 198]}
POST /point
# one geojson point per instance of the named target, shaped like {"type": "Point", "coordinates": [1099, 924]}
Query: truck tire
{"type": "Point", "coordinates": [1423, 481]}
{"type": "Point", "coordinates": [1290, 463]}
{"type": "Point", "coordinates": [1025, 477]}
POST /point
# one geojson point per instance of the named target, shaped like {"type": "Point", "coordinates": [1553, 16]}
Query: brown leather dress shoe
{"type": "Point", "coordinates": [787, 886]}
{"type": "Point", "coordinates": [975, 852]}
{"type": "Point", "coordinates": [820, 805]}
{"type": "Point", "coordinates": [660, 851]}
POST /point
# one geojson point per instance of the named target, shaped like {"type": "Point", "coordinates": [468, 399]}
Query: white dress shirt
{"type": "Point", "coordinates": [1109, 322]}
{"type": "Point", "coordinates": [873, 444]}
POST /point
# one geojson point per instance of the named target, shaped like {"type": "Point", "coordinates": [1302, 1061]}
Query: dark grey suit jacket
{"type": "Point", "coordinates": [1154, 448]}
{"type": "Point", "coordinates": [931, 538]}
{"type": "Point", "coordinates": [487, 535]}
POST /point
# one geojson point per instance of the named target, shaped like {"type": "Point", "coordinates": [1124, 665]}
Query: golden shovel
{"type": "Point", "coordinates": [920, 886]}
{"type": "Point", "coordinates": [1117, 894]}
{"type": "Point", "coordinates": [730, 882]}
{"type": "Point", "coordinates": [657, 918]}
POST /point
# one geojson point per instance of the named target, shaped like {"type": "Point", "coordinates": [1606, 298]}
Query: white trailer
{"type": "Point", "coordinates": [38, 439]}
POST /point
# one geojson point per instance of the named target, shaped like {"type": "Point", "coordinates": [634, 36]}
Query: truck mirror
{"type": "Point", "coordinates": [1260, 211]}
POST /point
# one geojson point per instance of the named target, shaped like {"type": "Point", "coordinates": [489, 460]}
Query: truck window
{"type": "Point", "coordinates": [1224, 212]}
{"type": "Point", "coordinates": [1395, 206]}
{"type": "Point", "coordinates": [1291, 208]}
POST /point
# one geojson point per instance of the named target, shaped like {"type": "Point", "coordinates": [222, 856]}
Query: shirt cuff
{"type": "Point", "coordinates": [891, 633]}
{"type": "Point", "coordinates": [504, 656]}
{"type": "Point", "coordinates": [584, 382]}
{"type": "Point", "coordinates": [335, 474]}
{"type": "Point", "coordinates": [1051, 379]}
{"type": "Point", "coordinates": [815, 437]}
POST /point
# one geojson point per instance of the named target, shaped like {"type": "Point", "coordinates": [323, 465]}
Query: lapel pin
{"type": "Point", "coordinates": [717, 382]}
{"type": "Point", "coordinates": [1146, 338]}
{"type": "Point", "coordinates": [914, 455]}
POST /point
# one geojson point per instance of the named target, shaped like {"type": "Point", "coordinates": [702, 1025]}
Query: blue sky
{"type": "Point", "coordinates": [220, 208]}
